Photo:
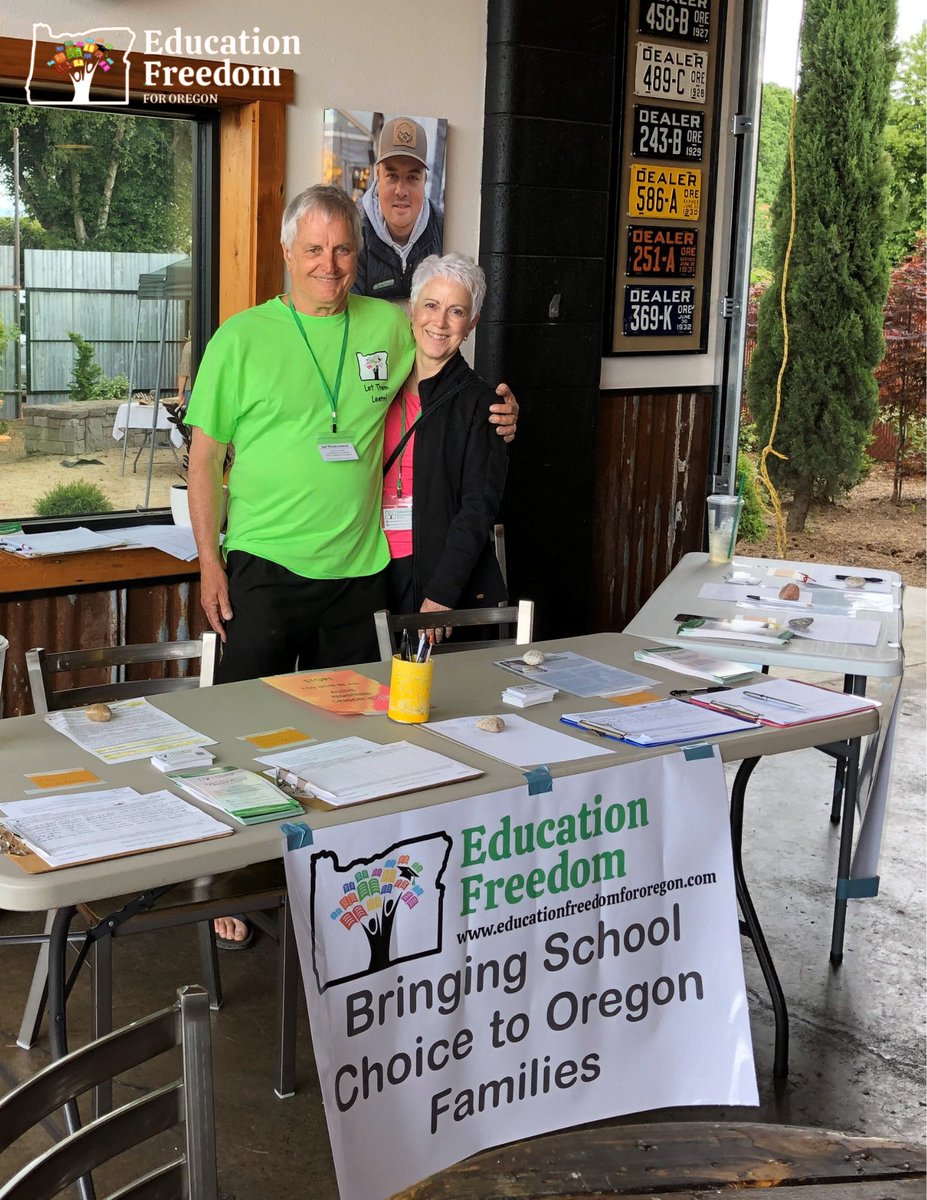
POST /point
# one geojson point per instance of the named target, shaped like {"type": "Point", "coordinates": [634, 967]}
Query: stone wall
{"type": "Point", "coordinates": [73, 428]}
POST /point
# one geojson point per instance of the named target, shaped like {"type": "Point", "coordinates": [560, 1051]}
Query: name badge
{"type": "Point", "coordinates": [338, 448]}
{"type": "Point", "coordinates": [397, 515]}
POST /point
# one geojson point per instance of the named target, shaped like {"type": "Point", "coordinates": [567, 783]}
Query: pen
{"type": "Point", "coordinates": [865, 578]}
{"type": "Point", "coordinates": [698, 691]}
{"type": "Point", "coordinates": [404, 650]}
{"type": "Point", "coordinates": [420, 652]}
{"type": "Point", "coordinates": [775, 700]}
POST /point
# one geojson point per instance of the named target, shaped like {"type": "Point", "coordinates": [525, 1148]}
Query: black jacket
{"type": "Point", "coordinates": [379, 268]}
{"type": "Point", "coordinates": [459, 466]}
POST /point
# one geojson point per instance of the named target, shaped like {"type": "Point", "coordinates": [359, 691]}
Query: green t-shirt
{"type": "Point", "coordinates": [257, 387]}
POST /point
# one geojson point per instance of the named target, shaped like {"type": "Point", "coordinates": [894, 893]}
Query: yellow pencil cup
{"type": "Point", "coordinates": [409, 691]}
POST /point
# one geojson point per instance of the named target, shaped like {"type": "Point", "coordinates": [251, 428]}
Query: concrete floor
{"type": "Point", "coordinates": [857, 1049]}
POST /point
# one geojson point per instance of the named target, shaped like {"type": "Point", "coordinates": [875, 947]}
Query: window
{"type": "Point", "coordinates": [95, 328]}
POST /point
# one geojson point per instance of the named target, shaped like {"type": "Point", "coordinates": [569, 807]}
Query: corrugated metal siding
{"type": "Point", "coordinates": [94, 294]}
{"type": "Point", "coordinates": [651, 483]}
{"type": "Point", "coordinates": [105, 617]}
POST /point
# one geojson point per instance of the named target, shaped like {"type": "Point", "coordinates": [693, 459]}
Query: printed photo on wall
{"type": "Point", "coordinates": [393, 167]}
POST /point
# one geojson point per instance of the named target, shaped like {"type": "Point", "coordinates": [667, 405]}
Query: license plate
{"type": "Point", "coordinates": [659, 311]}
{"type": "Point", "coordinates": [671, 73]}
{"type": "Point", "coordinates": [668, 132]}
{"type": "Point", "coordinates": [670, 192]}
{"type": "Point", "coordinates": [688, 20]}
{"type": "Point", "coordinates": [657, 250]}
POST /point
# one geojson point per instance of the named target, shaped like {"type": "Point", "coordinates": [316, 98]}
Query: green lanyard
{"type": "Point", "coordinates": [331, 394]}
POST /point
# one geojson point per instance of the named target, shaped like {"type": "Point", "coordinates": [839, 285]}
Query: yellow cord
{"type": "Point", "coordinates": [774, 501]}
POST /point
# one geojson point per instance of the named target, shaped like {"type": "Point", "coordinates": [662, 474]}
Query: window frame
{"type": "Point", "coordinates": [240, 172]}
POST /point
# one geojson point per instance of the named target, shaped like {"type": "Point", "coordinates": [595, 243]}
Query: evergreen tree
{"type": "Point", "coordinates": [838, 272]}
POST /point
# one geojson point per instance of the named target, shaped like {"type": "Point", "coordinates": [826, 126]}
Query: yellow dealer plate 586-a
{"type": "Point", "coordinates": [673, 193]}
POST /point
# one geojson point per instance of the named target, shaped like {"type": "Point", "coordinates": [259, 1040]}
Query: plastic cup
{"type": "Point", "coordinates": [4, 646]}
{"type": "Point", "coordinates": [723, 520]}
{"type": "Point", "coordinates": [409, 691]}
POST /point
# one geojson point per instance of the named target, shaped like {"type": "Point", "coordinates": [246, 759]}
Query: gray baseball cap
{"type": "Point", "coordinates": [403, 136]}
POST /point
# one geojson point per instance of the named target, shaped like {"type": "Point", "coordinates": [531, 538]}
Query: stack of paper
{"type": "Point", "coordinates": [657, 724]}
{"type": "Point", "coordinates": [692, 662]}
{"type": "Point", "coordinates": [784, 702]}
{"type": "Point", "coordinates": [577, 675]}
{"type": "Point", "coordinates": [353, 770]}
{"type": "Point", "coordinates": [66, 829]}
{"type": "Point", "coordinates": [65, 541]}
{"type": "Point", "coordinates": [245, 797]}
{"type": "Point", "coordinates": [136, 729]}
{"type": "Point", "coordinates": [733, 629]}
{"type": "Point", "coordinates": [524, 695]}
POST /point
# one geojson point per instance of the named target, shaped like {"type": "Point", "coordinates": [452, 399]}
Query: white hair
{"type": "Point", "coordinates": [459, 269]}
{"type": "Point", "coordinates": [326, 199]}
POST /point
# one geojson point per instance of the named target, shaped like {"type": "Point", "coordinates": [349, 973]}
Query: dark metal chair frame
{"type": "Point", "coordinates": [514, 622]}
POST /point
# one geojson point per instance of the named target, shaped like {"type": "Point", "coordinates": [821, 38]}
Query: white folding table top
{"type": "Point", "coordinates": [679, 593]}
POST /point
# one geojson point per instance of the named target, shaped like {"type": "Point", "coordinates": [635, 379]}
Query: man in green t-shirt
{"type": "Point", "coordinates": [300, 386]}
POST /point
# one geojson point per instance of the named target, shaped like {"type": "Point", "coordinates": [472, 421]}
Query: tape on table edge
{"type": "Point", "coordinates": [697, 751]}
{"type": "Point", "coordinates": [858, 889]}
{"type": "Point", "coordinates": [539, 781]}
{"type": "Point", "coordinates": [297, 834]}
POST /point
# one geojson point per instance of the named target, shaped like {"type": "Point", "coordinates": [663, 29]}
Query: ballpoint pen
{"type": "Point", "coordinates": [721, 687]}
{"type": "Point", "coordinates": [865, 578]}
{"type": "Point", "coordinates": [775, 701]}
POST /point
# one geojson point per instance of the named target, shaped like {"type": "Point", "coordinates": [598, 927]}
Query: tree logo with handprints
{"type": "Point", "coordinates": [372, 900]}
{"type": "Point", "coordinates": [80, 58]}
{"type": "Point", "coordinates": [388, 907]}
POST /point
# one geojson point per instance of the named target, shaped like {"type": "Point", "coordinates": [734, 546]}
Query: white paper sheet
{"type": "Point", "coordinates": [80, 826]}
{"type": "Point", "coordinates": [353, 770]}
{"type": "Point", "coordinates": [520, 744]}
{"type": "Point", "coordinates": [65, 541]}
{"type": "Point", "coordinates": [578, 675]}
{"type": "Point", "coordinates": [137, 730]}
{"type": "Point", "coordinates": [786, 702]}
{"type": "Point", "coordinates": [854, 631]}
{"type": "Point", "coordinates": [734, 592]}
{"type": "Point", "coordinates": [170, 539]}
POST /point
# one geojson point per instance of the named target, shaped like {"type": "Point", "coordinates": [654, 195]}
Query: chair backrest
{"type": "Point", "coordinates": [43, 664]}
{"type": "Point", "coordinates": [504, 617]}
{"type": "Point", "coordinates": [188, 1101]}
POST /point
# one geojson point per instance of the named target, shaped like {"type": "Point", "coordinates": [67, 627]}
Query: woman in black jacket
{"type": "Point", "coordinates": [444, 465]}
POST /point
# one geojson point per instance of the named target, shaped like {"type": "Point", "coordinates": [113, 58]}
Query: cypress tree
{"type": "Point", "coordinates": [838, 272]}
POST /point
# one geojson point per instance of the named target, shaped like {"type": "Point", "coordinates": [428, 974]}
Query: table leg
{"type": "Point", "coordinates": [840, 774]}
{"type": "Point", "coordinates": [57, 1019]}
{"type": "Point", "coordinates": [751, 922]}
{"type": "Point", "coordinates": [857, 686]}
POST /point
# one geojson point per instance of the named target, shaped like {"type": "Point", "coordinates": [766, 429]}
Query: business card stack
{"type": "Point", "coordinates": [523, 695]}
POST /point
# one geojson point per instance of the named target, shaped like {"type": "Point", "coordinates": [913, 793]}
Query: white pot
{"type": "Point", "coordinates": [180, 506]}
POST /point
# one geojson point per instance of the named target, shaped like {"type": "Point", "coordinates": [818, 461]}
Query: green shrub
{"type": "Point", "coordinates": [68, 499]}
{"type": "Point", "coordinates": [752, 521]}
{"type": "Point", "coordinates": [88, 379]}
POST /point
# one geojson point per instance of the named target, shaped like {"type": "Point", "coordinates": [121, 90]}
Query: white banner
{"type": "Point", "coordinates": [494, 968]}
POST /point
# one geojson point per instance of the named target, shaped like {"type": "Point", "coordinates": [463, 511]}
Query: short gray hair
{"type": "Point", "coordinates": [326, 199]}
{"type": "Point", "coordinates": [459, 269]}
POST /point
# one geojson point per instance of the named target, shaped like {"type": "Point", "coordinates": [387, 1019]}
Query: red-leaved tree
{"type": "Point", "coordinates": [902, 373]}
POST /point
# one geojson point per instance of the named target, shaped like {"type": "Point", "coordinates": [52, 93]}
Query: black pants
{"type": "Point", "coordinates": [283, 621]}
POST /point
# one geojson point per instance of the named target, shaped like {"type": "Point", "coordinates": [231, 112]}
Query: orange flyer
{"type": "Point", "coordinates": [344, 692]}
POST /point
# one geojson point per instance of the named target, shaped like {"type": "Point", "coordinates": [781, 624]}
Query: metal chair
{"type": "Point", "coordinates": [254, 890]}
{"type": "Point", "coordinates": [187, 1101]}
{"type": "Point", "coordinates": [503, 618]}
{"type": "Point", "coordinates": [43, 665]}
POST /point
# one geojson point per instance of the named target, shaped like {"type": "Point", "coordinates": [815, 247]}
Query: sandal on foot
{"type": "Point", "coordinates": [223, 943]}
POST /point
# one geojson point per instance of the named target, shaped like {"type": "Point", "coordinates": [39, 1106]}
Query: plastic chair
{"type": "Point", "coordinates": [186, 1102]}
{"type": "Point", "coordinates": [503, 618]}
{"type": "Point", "coordinates": [253, 890]}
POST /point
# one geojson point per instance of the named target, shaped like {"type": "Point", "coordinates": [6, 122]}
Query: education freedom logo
{"type": "Point", "coordinates": [378, 911]}
{"type": "Point", "coordinates": [81, 58]}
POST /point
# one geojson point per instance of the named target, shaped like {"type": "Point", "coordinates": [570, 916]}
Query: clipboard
{"type": "Point", "coordinates": [30, 862]}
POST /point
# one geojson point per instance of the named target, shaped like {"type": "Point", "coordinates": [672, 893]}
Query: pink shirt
{"type": "Point", "coordinates": [400, 540]}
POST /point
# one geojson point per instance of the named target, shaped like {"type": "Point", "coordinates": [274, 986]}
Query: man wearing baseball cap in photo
{"type": "Point", "coordinates": [401, 226]}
